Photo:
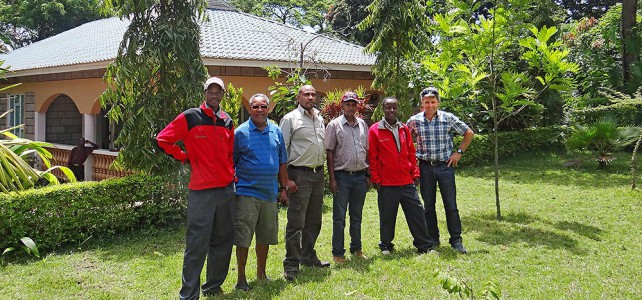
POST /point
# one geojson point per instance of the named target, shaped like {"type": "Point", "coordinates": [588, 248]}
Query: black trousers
{"type": "Point", "coordinates": [389, 198]}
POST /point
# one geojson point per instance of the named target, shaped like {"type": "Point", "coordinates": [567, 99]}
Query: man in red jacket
{"type": "Point", "coordinates": [394, 173]}
{"type": "Point", "coordinates": [208, 135]}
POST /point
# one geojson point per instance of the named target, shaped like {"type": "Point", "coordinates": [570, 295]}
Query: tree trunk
{"type": "Point", "coordinates": [634, 163]}
{"type": "Point", "coordinates": [629, 8]}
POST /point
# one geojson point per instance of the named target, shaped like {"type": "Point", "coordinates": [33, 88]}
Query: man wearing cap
{"type": "Point", "coordinates": [346, 142]}
{"type": "Point", "coordinates": [303, 133]}
{"type": "Point", "coordinates": [394, 171]}
{"type": "Point", "coordinates": [208, 135]}
{"type": "Point", "coordinates": [434, 130]}
{"type": "Point", "coordinates": [260, 160]}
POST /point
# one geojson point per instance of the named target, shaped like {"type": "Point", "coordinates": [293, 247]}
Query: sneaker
{"type": "Point", "coordinates": [339, 260]}
{"type": "Point", "coordinates": [359, 254]}
{"type": "Point", "coordinates": [385, 252]}
{"type": "Point", "coordinates": [459, 247]}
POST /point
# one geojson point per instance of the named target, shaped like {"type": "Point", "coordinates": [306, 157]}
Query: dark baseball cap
{"type": "Point", "coordinates": [350, 96]}
{"type": "Point", "coordinates": [430, 92]}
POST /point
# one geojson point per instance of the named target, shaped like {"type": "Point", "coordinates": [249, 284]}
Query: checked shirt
{"type": "Point", "coordinates": [435, 138]}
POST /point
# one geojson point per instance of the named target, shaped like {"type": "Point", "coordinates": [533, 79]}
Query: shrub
{"type": "Point", "coordinates": [513, 142]}
{"type": "Point", "coordinates": [73, 213]}
{"type": "Point", "coordinates": [625, 109]}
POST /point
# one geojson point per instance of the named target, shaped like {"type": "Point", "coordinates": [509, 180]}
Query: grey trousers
{"type": "Point", "coordinates": [304, 219]}
{"type": "Point", "coordinates": [210, 233]}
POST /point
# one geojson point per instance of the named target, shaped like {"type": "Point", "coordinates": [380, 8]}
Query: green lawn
{"type": "Point", "coordinates": [566, 234]}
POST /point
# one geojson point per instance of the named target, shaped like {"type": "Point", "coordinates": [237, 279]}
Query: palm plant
{"type": "Point", "coordinates": [603, 136]}
{"type": "Point", "coordinates": [15, 172]}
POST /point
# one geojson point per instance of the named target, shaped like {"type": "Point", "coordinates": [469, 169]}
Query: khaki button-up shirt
{"type": "Point", "coordinates": [303, 135]}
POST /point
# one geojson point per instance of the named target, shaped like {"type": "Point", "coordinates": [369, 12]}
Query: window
{"type": "Point", "coordinates": [17, 115]}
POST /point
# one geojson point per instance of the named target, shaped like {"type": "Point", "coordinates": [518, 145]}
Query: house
{"type": "Point", "coordinates": [61, 76]}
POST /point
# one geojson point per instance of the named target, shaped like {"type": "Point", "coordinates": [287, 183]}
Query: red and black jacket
{"type": "Point", "coordinates": [209, 144]}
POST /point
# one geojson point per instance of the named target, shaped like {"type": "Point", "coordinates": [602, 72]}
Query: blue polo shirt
{"type": "Point", "coordinates": [257, 156]}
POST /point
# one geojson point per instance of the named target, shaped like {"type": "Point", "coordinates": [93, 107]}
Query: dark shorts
{"type": "Point", "coordinates": [255, 215]}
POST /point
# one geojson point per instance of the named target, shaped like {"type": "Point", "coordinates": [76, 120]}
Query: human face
{"type": "Point", "coordinates": [349, 108]}
{"type": "Point", "coordinates": [430, 105]}
{"type": "Point", "coordinates": [259, 111]}
{"type": "Point", "coordinates": [214, 96]}
{"type": "Point", "coordinates": [307, 97]}
{"type": "Point", "coordinates": [390, 107]}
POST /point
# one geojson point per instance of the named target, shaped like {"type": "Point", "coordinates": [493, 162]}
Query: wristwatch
{"type": "Point", "coordinates": [460, 151]}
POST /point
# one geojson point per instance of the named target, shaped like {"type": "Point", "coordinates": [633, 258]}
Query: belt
{"type": "Point", "coordinates": [364, 171]}
{"type": "Point", "coordinates": [315, 169]}
{"type": "Point", "coordinates": [433, 163]}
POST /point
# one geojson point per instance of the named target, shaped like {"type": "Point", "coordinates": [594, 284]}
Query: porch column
{"type": "Point", "coordinates": [40, 126]}
{"type": "Point", "coordinates": [89, 133]}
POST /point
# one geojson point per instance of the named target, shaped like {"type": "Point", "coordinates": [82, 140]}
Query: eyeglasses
{"type": "Point", "coordinates": [256, 107]}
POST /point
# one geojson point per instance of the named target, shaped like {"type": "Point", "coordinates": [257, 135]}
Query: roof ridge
{"type": "Point", "coordinates": [298, 29]}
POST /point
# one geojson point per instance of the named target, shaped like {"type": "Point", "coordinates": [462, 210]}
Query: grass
{"type": "Point", "coordinates": [566, 234]}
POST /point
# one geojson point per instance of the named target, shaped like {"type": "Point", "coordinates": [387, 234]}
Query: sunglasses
{"type": "Point", "coordinates": [256, 107]}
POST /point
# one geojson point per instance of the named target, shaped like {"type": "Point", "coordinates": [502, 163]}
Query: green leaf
{"type": "Point", "coordinates": [30, 246]}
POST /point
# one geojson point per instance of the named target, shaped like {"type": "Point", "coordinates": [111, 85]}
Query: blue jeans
{"type": "Point", "coordinates": [351, 194]}
{"type": "Point", "coordinates": [445, 177]}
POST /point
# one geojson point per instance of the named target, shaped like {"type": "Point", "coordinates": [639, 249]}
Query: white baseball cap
{"type": "Point", "coordinates": [216, 80]}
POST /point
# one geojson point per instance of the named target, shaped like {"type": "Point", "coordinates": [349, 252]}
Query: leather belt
{"type": "Point", "coordinates": [433, 163]}
{"type": "Point", "coordinates": [315, 169]}
{"type": "Point", "coordinates": [364, 171]}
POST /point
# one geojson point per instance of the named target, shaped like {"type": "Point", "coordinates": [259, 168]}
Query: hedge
{"type": "Point", "coordinates": [73, 213]}
{"type": "Point", "coordinates": [482, 148]}
{"type": "Point", "coordinates": [626, 113]}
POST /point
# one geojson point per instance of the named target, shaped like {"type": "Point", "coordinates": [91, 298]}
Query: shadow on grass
{"type": "Point", "coordinates": [547, 168]}
{"type": "Point", "coordinates": [520, 227]}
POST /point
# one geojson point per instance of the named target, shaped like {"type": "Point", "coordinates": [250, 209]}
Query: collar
{"type": "Point", "coordinates": [305, 112]}
{"type": "Point", "coordinates": [343, 120]}
{"type": "Point", "coordinates": [208, 111]}
{"type": "Point", "coordinates": [384, 125]}
{"type": "Point", "coordinates": [437, 117]}
{"type": "Point", "coordinates": [253, 127]}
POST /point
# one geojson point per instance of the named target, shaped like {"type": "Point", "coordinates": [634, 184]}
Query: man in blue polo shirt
{"type": "Point", "coordinates": [260, 159]}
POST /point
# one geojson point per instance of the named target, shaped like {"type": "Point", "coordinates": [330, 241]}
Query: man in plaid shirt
{"type": "Point", "coordinates": [434, 130]}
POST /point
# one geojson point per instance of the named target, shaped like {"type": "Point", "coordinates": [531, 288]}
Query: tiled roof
{"type": "Point", "coordinates": [227, 35]}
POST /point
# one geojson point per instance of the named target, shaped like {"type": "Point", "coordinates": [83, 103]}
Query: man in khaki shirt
{"type": "Point", "coordinates": [303, 133]}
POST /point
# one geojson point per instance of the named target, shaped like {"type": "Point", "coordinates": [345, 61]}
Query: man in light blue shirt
{"type": "Point", "coordinates": [260, 160]}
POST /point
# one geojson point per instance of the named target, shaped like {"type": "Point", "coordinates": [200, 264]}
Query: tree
{"type": "Point", "coordinates": [495, 67]}
{"type": "Point", "coordinates": [345, 15]}
{"type": "Point", "coordinates": [299, 13]}
{"type": "Point", "coordinates": [578, 9]}
{"type": "Point", "coordinates": [25, 21]}
{"type": "Point", "coordinates": [400, 29]}
{"type": "Point", "coordinates": [630, 41]}
{"type": "Point", "coordinates": [157, 73]}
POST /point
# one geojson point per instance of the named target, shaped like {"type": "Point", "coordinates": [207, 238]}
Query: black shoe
{"type": "Point", "coordinates": [242, 286]}
{"type": "Point", "coordinates": [213, 292]}
{"type": "Point", "coordinates": [459, 247]}
{"type": "Point", "coordinates": [290, 276]}
{"type": "Point", "coordinates": [318, 264]}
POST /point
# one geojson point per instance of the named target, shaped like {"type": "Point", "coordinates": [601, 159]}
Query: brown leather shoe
{"type": "Point", "coordinates": [359, 254]}
{"type": "Point", "coordinates": [339, 260]}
